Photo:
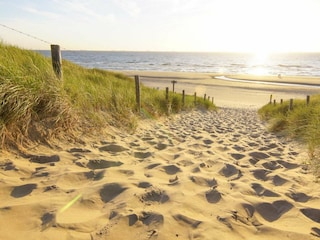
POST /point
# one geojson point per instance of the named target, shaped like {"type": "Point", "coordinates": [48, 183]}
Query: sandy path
{"type": "Point", "coordinates": [199, 175]}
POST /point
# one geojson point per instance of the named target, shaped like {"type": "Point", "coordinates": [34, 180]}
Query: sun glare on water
{"type": "Point", "coordinates": [258, 63]}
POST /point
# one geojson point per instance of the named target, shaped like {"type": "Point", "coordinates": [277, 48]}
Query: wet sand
{"type": "Point", "coordinates": [251, 94]}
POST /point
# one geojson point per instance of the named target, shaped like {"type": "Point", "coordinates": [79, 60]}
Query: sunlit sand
{"type": "Point", "coordinates": [197, 175]}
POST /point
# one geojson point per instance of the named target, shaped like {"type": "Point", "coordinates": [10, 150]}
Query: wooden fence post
{"type": "Point", "coordinates": [281, 101]}
{"type": "Point", "coordinates": [195, 98]}
{"type": "Point", "coordinates": [138, 94]}
{"type": "Point", "coordinates": [173, 83]}
{"type": "Point", "coordinates": [205, 97]}
{"type": "Point", "coordinates": [56, 60]}
{"type": "Point", "coordinates": [270, 99]}
{"type": "Point", "coordinates": [291, 104]}
{"type": "Point", "coordinates": [212, 100]}
{"type": "Point", "coordinates": [274, 102]}
{"type": "Point", "coordinates": [308, 100]}
{"type": "Point", "coordinates": [167, 94]}
{"type": "Point", "coordinates": [167, 101]}
{"type": "Point", "coordinates": [183, 98]}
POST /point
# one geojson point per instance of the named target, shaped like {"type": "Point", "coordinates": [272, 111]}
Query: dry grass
{"type": "Point", "coordinates": [35, 106]}
{"type": "Point", "coordinates": [302, 123]}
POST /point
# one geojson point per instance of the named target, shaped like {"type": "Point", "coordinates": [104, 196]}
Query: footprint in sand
{"type": "Point", "coordinates": [153, 165]}
{"type": "Point", "coordinates": [315, 232]}
{"type": "Point", "coordinates": [273, 211]}
{"type": "Point", "coordinates": [261, 191]}
{"type": "Point", "coordinates": [237, 156]}
{"type": "Point", "coordinates": [201, 181]}
{"type": "Point", "coordinates": [288, 165]}
{"type": "Point", "coordinates": [79, 150]}
{"type": "Point", "coordinates": [259, 155]}
{"type": "Point", "coordinates": [171, 169]}
{"type": "Point", "coordinates": [298, 196]}
{"type": "Point", "coordinates": [312, 213]}
{"type": "Point", "coordinates": [23, 190]}
{"type": "Point", "coordinates": [7, 165]}
{"type": "Point", "coordinates": [261, 174]}
{"type": "Point", "coordinates": [47, 220]}
{"type": "Point", "coordinates": [229, 170]}
{"type": "Point", "coordinates": [144, 185]}
{"type": "Point", "coordinates": [45, 159]}
{"type": "Point", "coordinates": [147, 218]}
{"type": "Point", "coordinates": [161, 146]}
{"type": "Point", "coordinates": [40, 172]}
{"type": "Point", "coordinates": [142, 155]}
{"type": "Point", "coordinates": [278, 181]}
{"type": "Point", "coordinates": [187, 220]}
{"type": "Point", "coordinates": [111, 191]}
{"type": "Point", "coordinates": [112, 148]}
{"type": "Point", "coordinates": [271, 165]}
{"type": "Point", "coordinates": [213, 196]}
{"type": "Point", "coordinates": [101, 164]}
{"type": "Point", "coordinates": [154, 194]}
{"type": "Point", "coordinates": [151, 218]}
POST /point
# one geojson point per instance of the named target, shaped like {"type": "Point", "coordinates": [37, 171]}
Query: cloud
{"type": "Point", "coordinates": [47, 14]}
{"type": "Point", "coordinates": [130, 7]}
{"type": "Point", "coordinates": [88, 10]}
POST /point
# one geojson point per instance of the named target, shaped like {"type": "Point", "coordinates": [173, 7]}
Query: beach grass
{"type": "Point", "coordinates": [36, 106]}
{"type": "Point", "coordinates": [301, 123]}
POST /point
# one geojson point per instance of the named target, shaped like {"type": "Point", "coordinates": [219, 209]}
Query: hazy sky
{"type": "Point", "coordinates": [164, 25]}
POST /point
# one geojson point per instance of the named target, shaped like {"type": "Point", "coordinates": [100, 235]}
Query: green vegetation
{"type": "Point", "coordinates": [35, 106]}
{"type": "Point", "coordinates": [301, 123]}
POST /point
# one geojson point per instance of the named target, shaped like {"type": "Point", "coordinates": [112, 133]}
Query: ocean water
{"type": "Point", "coordinates": [291, 64]}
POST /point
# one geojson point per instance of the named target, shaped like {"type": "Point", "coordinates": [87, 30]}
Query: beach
{"type": "Point", "coordinates": [196, 175]}
{"type": "Point", "coordinates": [252, 94]}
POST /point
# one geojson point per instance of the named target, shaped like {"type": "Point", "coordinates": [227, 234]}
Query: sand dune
{"type": "Point", "coordinates": [198, 175]}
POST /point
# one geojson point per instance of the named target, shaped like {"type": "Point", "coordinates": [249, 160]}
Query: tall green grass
{"type": "Point", "coordinates": [301, 123]}
{"type": "Point", "coordinates": [35, 106]}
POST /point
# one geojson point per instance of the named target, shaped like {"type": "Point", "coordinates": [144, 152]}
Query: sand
{"type": "Point", "coordinates": [231, 94]}
{"type": "Point", "coordinates": [197, 175]}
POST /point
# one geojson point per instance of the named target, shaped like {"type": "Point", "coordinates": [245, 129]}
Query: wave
{"type": "Point", "coordinates": [268, 83]}
{"type": "Point", "coordinates": [293, 66]}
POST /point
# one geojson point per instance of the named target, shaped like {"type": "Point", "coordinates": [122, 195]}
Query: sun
{"type": "Point", "coordinates": [258, 62]}
{"type": "Point", "coordinates": [260, 57]}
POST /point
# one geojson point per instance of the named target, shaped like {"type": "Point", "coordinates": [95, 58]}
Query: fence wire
{"type": "Point", "coordinates": [26, 34]}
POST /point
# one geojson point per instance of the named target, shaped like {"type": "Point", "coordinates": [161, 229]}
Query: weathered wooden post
{"type": "Point", "coordinates": [167, 101]}
{"type": "Point", "coordinates": [212, 100]}
{"type": "Point", "coordinates": [291, 104]}
{"type": "Point", "coordinates": [270, 99]}
{"type": "Point", "coordinates": [209, 98]}
{"type": "Point", "coordinates": [308, 100]}
{"type": "Point", "coordinates": [205, 97]}
{"type": "Point", "coordinates": [195, 98]}
{"type": "Point", "coordinates": [173, 83]}
{"type": "Point", "coordinates": [167, 94]}
{"type": "Point", "coordinates": [274, 102]}
{"type": "Point", "coordinates": [183, 98]}
{"type": "Point", "coordinates": [138, 94]}
{"type": "Point", "coordinates": [56, 60]}
{"type": "Point", "coordinates": [281, 101]}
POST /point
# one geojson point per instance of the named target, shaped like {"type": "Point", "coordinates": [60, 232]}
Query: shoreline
{"type": "Point", "coordinates": [254, 92]}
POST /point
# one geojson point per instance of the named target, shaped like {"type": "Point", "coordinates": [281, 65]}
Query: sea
{"type": "Point", "coordinates": [289, 64]}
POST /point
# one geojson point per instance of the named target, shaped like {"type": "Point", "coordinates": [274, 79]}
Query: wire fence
{"type": "Point", "coordinates": [26, 34]}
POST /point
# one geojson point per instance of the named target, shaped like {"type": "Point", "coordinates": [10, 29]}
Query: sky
{"type": "Point", "coordinates": [259, 26]}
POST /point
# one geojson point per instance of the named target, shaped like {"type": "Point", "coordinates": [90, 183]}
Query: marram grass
{"type": "Point", "coordinates": [302, 123]}
{"type": "Point", "coordinates": [35, 106]}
